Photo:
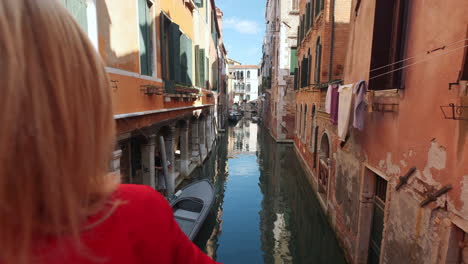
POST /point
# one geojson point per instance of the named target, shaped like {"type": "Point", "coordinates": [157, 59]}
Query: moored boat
{"type": "Point", "coordinates": [191, 206]}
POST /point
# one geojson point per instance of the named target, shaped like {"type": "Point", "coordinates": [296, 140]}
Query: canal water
{"type": "Point", "coordinates": [265, 210]}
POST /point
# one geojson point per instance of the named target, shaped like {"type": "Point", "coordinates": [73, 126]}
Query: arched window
{"type": "Point", "coordinates": [318, 61]}
{"type": "Point", "coordinates": [315, 146]}
{"type": "Point", "coordinates": [304, 133]}
{"type": "Point", "coordinates": [297, 116]}
{"type": "Point", "coordinates": [312, 135]}
{"type": "Point", "coordinates": [300, 122]}
{"type": "Point", "coordinates": [324, 164]}
{"type": "Point", "coordinates": [248, 74]}
{"type": "Point", "coordinates": [248, 88]}
{"type": "Point", "coordinates": [325, 148]}
{"type": "Point", "coordinates": [242, 75]}
{"type": "Point", "coordinates": [309, 67]}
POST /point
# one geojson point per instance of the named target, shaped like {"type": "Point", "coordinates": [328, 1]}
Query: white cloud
{"type": "Point", "coordinates": [242, 26]}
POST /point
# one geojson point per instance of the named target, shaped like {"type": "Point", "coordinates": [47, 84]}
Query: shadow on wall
{"type": "Point", "coordinates": [129, 61]}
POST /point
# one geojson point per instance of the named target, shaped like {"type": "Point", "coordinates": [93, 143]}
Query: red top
{"type": "Point", "coordinates": [141, 230]}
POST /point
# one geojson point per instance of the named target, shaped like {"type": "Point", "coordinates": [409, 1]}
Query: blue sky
{"type": "Point", "coordinates": [244, 27]}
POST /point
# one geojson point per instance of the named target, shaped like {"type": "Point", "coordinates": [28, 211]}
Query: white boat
{"type": "Point", "coordinates": [191, 206]}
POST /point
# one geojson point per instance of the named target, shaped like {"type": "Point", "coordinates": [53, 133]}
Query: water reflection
{"type": "Point", "coordinates": [265, 211]}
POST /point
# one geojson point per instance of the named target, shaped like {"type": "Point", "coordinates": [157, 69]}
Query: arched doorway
{"type": "Point", "coordinates": [324, 164]}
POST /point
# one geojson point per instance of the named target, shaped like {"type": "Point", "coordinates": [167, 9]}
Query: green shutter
{"type": "Point", "coordinates": [174, 51]}
{"type": "Point", "coordinates": [162, 25]}
{"type": "Point", "coordinates": [185, 60]}
{"type": "Point", "coordinates": [201, 61]}
{"type": "Point", "coordinates": [293, 65]}
{"type": "Point", "coordinates": [78, 9]}
{"type": "Point", "coordinates": [197, 65]}
{"type": "Point", "coordinates": [199, 3]}
{"type": "Point", "coordinates": [207, 67]}
{"type": "Point", "coordinates": [146, 49]}
{"type": "Point", "coordinates": [189, 62]}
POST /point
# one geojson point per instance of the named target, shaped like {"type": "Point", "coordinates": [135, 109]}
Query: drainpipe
{"type": "Point", "coordinates": [330, 67]}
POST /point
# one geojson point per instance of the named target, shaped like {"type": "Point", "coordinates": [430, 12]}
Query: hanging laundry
{"type": "Point", "coordinates": [334, 95]}
{"type": "Point", "coordinates": [360, 104]}
{"type": "Point", "coordinates": [344, 110]}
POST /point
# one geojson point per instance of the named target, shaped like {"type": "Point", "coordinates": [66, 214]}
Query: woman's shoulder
{"type": "Point", "coordinates": [141, 199]}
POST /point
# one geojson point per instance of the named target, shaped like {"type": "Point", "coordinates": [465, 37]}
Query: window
{"type": "Point", "coordinates": [318, 61]}
{"type": "Point", "coordinates": [199, 3]}
{"type": "Point", "coordinates": [248, 88]}
{"type": "Point", "coordinates": [176, 53]}
{"type": "Point", "coordinates": [324, 164]}
{"type": "Point", "coordinates": [312, 126]}
{"type": "Point", "coordinates": [300, 122]}
{"type": "Point", "coordinates": [146, 43]}
{"type": "Point", "coordinates": [307, 17]}
{"type": "Point", "coordinates": [388, 44]}
{"type": "Point", "coordinates": [78, 9]}
{"type": "Point", "coordinates": [319, 5]}
{"type": "Point", "coordinates": [315, 146]}
{"type": "Point", "coordinates": [199, 67]}
{"type": "Point", "coordinates": [248, 74]}
{"type": "Point", "coordinates": [304, 132]}
{"type": "Point", "coordinates": [305, 70]}
{"type": "Point", "coordinates": [293, 62]}
{"type": "Point", "coordinates": [297, 115]}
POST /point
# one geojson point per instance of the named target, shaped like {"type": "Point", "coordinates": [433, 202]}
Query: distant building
{"type": "Point", "coordinates": [279, 64]}
{"type": "Point", "coordinates": [245, 83]}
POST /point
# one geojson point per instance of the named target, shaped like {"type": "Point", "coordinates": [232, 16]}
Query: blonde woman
{"type": "Point", "coordinates": [57, 202]}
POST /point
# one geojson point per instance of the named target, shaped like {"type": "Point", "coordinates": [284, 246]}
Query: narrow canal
{"type": "Point", "coordinates": [265, 210]}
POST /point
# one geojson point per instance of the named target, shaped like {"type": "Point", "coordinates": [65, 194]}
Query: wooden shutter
{"type": "Point", "coordinates": [201, 61]}
{"type": "Point", "coordinates": [144, 19]}
{"type": "Point", "coordinates": [197, 66]}
{"type": "Point", "coordinates": [189, 62]}
{"type": "Point", "coordinates": [199, 3]}
{"type": "Point", "coordinates": [174, 51]}
{"type": "Point", "coordinates": [185, 60]}
{"type": "Point", "coordinates": [318, 62]}
{"type": "Point", "coordinates": [162, 25]}
{"type": "Point", "coordinates": [307, 17]}
{"type": "Point", "coordinates": [78, 9]}
{"type": "Point", "coordinates": [207, 78]}
{"type": "Point", "coordinates": [317, 7]}
{"type": "Point", "coordinates": [293, 64]}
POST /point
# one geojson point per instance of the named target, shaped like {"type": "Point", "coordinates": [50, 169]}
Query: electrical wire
{"type": "Point", "coordinates": [417, 62]}
{"type": "Point", "coordinates": [421, 54]}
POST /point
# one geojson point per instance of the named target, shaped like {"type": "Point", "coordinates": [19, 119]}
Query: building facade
{"type": "Point", "coordinates": [393, 181]}
{"type": "Point", "coordinates": [166, 64]}
{"type": "Point", "coordinates": [278, 66]}
{"type": "Point", "coordinates": [245, 83]}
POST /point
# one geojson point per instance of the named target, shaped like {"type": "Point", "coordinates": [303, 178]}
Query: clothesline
{"type": "Point", "coordinates": [421, 54]}
{"type": "Point", "coordinates": [417, 62]}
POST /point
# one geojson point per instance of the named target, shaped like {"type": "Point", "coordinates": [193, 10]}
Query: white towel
{"type": "Point", "coordinates": [328, 99]}
{"type": "Point", "coordinates": [344, 109]}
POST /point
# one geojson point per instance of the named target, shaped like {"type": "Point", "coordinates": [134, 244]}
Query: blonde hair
{"type": "Point", "coordinates": [56, 127]}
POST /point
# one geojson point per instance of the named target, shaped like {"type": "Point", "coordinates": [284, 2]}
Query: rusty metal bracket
{"type": "Point", "coordinates": [433, 196]}
{"type": "Point", "coordinates": [404, 179]}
